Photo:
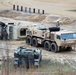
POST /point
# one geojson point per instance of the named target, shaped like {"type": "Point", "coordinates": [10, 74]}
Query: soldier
{"type": "Point", "coordinates": [58, 24]}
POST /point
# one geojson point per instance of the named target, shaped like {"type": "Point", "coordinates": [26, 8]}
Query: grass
{"type": "Point", "coordinates": [47, 67]}
{"type": "Point", "coordinates": [73, 10]}
{"type": "Point", "coordinates": [0, 66]}
{"type": "Point", "coordinates": [55, 67]}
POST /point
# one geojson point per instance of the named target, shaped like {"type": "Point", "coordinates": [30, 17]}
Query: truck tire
{"type": "Point", "coordinates": [34, 42]}
{"type": "Point", "coordinates": [28, 40]}
{"type": "Point", "coordinates": [54, 47]}
{"type": "Point", "coordinates": [47, 45]}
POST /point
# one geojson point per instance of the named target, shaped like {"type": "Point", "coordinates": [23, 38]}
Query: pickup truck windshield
{"type": "Point", "coordinates": [68, 36]}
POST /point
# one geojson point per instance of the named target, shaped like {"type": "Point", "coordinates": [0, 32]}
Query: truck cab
{"type": "Point", "coordinates": [64, 39]}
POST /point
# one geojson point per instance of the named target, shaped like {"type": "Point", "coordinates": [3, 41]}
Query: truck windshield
{"type": "Point", "coordinates": [68, 36]}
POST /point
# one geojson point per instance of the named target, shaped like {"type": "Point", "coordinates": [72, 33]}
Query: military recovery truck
{"type": "Point", "coordinates": [51, 38]}
{"type": "Point", "coordinates": [33, 56]}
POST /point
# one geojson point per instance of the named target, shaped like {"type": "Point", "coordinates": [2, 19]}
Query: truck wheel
{"type": "Point", "coordinates": [28, 40]}
{"type": "Point", "coordinates": [34, 42]}
{"type": "Point", "coordinates": [47, 45]}
{"type": "Point", "coordinates": [54, 47]}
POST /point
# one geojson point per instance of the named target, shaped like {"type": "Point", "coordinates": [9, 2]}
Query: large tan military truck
{"type": "Point", "coordinates": [52, 38]}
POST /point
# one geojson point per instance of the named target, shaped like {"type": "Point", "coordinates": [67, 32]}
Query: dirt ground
{"type": "Point", "coordinates": [55, 10]}
{"type": "Point", "coordinates": [59, 7]}
{"type": "Point", "coordinates": [60, 63]}
{"type": "Point", "coordinates": [40, 18]}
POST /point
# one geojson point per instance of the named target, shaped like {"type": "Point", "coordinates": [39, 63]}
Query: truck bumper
{"type": "Point", "coordinates": [68, 43]}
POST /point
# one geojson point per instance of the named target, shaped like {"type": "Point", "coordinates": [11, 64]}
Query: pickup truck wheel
{"type": "Point", "coordinates": [28, 40]}
{"type": "Point", "coordinates": [47, 45]}
{"type": "Point", "coordinates": [34, 42]}
{"type": "Point", "coordinates": [54, 47]}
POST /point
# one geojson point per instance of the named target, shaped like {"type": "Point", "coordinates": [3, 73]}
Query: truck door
{"type": "Point", "coordinates": [58, 40]}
